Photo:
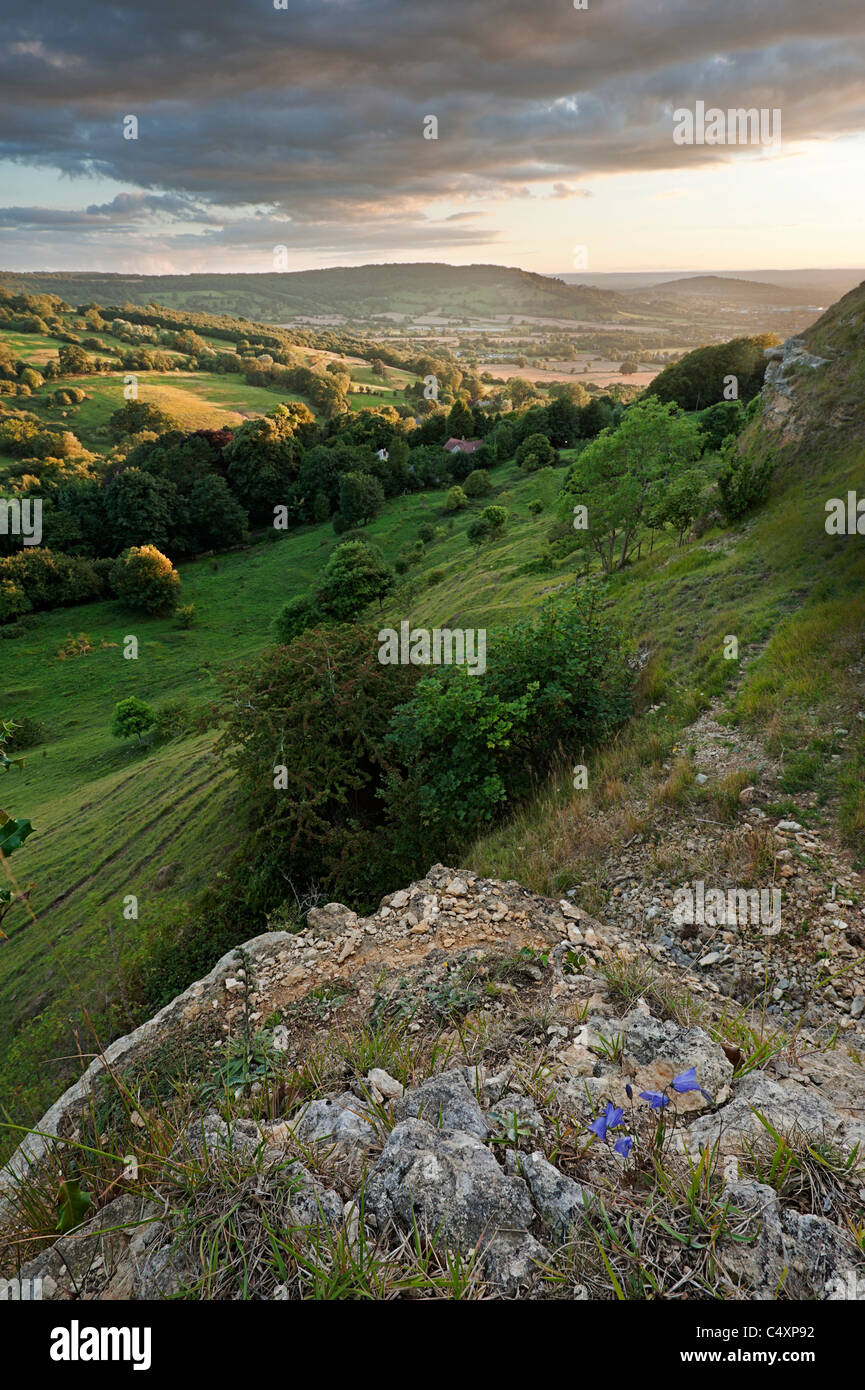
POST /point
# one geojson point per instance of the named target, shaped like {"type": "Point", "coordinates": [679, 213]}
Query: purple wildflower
{"type": "Point", "coordinates": [656, 1099]}
{"type": "Point", "coordinates": [623, 1146]}
{"type": "Point", "coordinates": [687, 1081]}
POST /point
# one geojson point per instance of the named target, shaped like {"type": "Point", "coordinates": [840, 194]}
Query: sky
{"type": "Point", "coordinates": [293, 137]}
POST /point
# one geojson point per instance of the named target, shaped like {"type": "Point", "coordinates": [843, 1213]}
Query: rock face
{"type": "Point", "coordinates": [447, 1181]}
{"type": "Point", "coordinates": [779, 385]}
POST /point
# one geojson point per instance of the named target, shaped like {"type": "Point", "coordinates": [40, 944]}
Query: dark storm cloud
{"type": "Point", "coordinates": [316, 111]}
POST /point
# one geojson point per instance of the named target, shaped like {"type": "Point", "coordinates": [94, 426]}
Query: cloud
{"type": "Point", "coordinates": [316, 112]}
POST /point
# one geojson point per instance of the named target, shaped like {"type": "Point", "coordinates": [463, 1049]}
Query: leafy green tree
{"type": "Point", "coordinates": [213, 517]}
{"type": "Point", "coordinates": [700, 378]}
{"type": "Point", "coordinates": [13, 829]}
{"type": "Point", "coordinates": [131, 718]}
{"type": "Point", "coordinates": [617, 475]}
{"type": "Point", "coordinates": [262, 463]}
{"type": "Point", "coordinates": [682, 498]}
{"type": "Point", "coordinates": [305, 731]}
{"type": "Point", "coordinates": [477, 484]}
{"type": "Point", "coordinates": [145, 580]}
{"type": "Point", "coordinates": [536, 452]}
{"type": "Point", "coordinates": [139, 509]}
{"type": "Point", "coordinates": [355, 574]}
{"type": "Point", "coordinates": [361, 497]}
{"type": "Point", "coordinates": [74, 361]}
{"type": "Point", "coordinates": [491, 523]}
{"type": "Point", "coordinates": [448, 742]}
{"type": "Point", "coordinates": [461, 422]}
{"type": "Point", "coordinates": [720, 421]}
{"type": "Point", "coordinates": [135, 416]}
{"type": "Point", "coordinates": [455, 500]}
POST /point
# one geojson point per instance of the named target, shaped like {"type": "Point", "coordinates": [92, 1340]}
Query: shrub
{"type": "Point", "coordinates": [455, 500]}
{"type": "Point", "coordinates": [297, 615]}
{"type": "Point", "coordinates": [145, 580]}
{"type": "Point", "coordinates": [743, 482]}
{"type": "Point", "coordinates": [426, 533]}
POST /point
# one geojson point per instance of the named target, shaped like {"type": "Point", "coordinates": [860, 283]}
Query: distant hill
{"type": "Point", "coordinates": [349, 292]}
{"type": "Point", "coordinates": [735, 291]}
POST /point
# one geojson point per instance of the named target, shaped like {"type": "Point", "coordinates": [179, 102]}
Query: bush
{"type": "Point", "coordinates": [467, 745]}
{"type": "Point", "coordinates": [455, 500]}
{"type": "Point", "coordinates": [491, 523]}
{"type": "Point", "coordinates": [36, 578]}
{"type": "Point", "coordinates": [743, 483]}
{"type": "Point", "coordinates": [145, 580]}
{"type": "Point", "coordinates": [173, 719]}
{"type": "Point", "coordinates": [426, 533]}
{"type": "Point", "coordinates": [297, 615]}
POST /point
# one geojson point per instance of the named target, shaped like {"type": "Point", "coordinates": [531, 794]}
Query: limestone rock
{"type": "Point", "coordinates": [445, 1101]}
{"type": "Point", "coordinates": [450, 1183]}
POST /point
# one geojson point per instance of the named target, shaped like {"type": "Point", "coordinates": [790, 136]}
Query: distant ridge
{"type": "Point", "coordinates": [421, 288]}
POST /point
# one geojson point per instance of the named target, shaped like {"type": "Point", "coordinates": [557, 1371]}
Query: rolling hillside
{"type": "Point", "coordinates": [349, 292]}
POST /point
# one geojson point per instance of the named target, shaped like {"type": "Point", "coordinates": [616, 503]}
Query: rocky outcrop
{"type": "Point", "coordinates": [500, 1157]}
{"type": "Point", "coordinates": [784, 366]}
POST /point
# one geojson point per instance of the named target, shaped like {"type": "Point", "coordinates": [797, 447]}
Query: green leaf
{"type": "Point", "coordinates": [13, 833]}
{"type": "Point", "coordinates": [72, 1207]}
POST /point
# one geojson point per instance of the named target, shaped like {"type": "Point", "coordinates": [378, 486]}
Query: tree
{"type": "Point", "coordinates": [140, 509]}
{"type": "Point", "coordinates": [461, 422]}
{"type": "Point", "coordinates": [701, 377]}
{"type": "Point", "coordinates": [324, 702]}
{"type": "Point", "coordinates": [214, 519]}
{"type": "Point", "coordinates": [131, 717]}
{"type": "Point", "coordinates": [455, 500]}
{"type": "Point", "coordinates": [145, 579]}
{"type": "Point", "coordinates": [477, 484]}
{"type": "Point", "coordinates": [355, 574]}
{"type": "Point", "coordinates": [681, 501]}
{"type": "Point", "coordinates": [490, 524]}
{"type": "Point", "coordinates": [619, 474]}
{"type": "Point", "coordinates": [262, 462]}
{"type": "Point", "coordinates": [361, 497]}
{"type": "Point", "coordinates": [536, 452]}
{"type": "Point", "coordinates": [135, 416]}
{"type": "Point", "coordinates": [743, 482]}
{"type": "Point", "coordinates": [13, 830]}
{"type": "Point", "coordinates": [73, 360]}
